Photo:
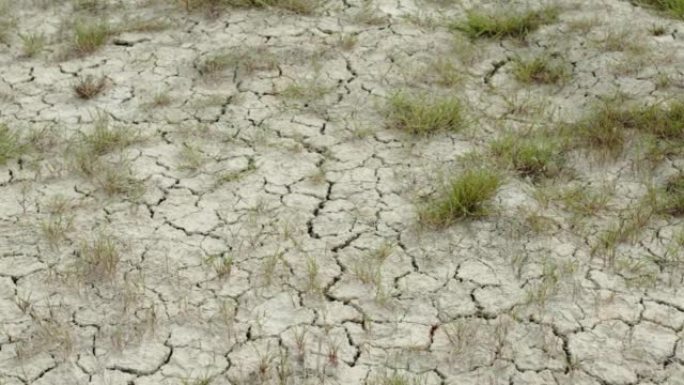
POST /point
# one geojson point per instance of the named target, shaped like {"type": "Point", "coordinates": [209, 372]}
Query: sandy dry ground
{"type": "Point", "coordinates": [260, 226]}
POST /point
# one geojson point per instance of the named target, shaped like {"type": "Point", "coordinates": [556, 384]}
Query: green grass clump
{"type": "Point", "coordinates": [505, 23]}
{"type": "Point", "coordinates": [89, 36]}
{"type": "Point", "coordinates": [534, 156]}
{"type": "Point", "coordinates": [102, 139]}
{"type": "Point", "coordinates": [606, 127]}
{"type": "Point", "coordinates": [540, 70]}
{"type": "Point", "coordinates": [466, 196]}
{"type": "Point", "coordinates": [421, 114]}
{"type": "Point", "coordinates": [105, 137]}
{"type": "Point", "coordinates": [214, 7]}
{"type": "Point", "coordinates": [672, 7]}
{"type": "Point", "coordinates": [10, 146]}
{"type": "Point", "coordinates": [32, 44]}
{"type": "Point", "coordinates": [672, 196]}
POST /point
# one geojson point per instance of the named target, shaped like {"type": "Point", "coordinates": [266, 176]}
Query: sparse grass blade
{"type": "Point", "coordinates": [98, 259]}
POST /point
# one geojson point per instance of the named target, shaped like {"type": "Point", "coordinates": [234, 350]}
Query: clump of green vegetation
{"type": "Point", "coordinates": [585, 200]}
{"type": "Point", "coordinates": [606, 127]}
{"type": "Point", "coordinates": [88, 5]}
{"type": "Point", "coordinates": [32, 44]}
{"type": "Point", "coordinates": [104, 138]}
{"type": "Point", "coordinates": [446, 72]}
{"type": "Point", "coordinates": [307, 91]}
{"type": "Point", "coordinates": [215, 7]}
{"type": "Point", "coordinates": [505, 23]}
{"type": "Point", "coordinates": [422, 114]}
{"type": "Point", "coordinates": [534, 156]}
{"type": "Point", "coordinates": [623, 40]}
{"type": "Point", "coordinates": [541, 70]}
{"type": "Point", "coordinates": [10, 145]}
{"type": "Point", "coordinates": [627, 229]}
{"type": "Point", "coordinates": [88, 87]}
{"type": "Point", "coordinates": [246, 59]}
{"type": "Point", "coordinates": [7, 22]}
{"type": "Point", "coordinates": [672, 7]}
{"type": "Point", "coordinates": [89, 36]}
{"type": "Point", "coordinates": [672, 196]}
{"type": "Point", "coordinates": [466, 196]}
{"type": "Point", "coordinates": [5, 27]}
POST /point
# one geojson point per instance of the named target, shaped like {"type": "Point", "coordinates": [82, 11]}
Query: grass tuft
{"type": "Point", "coordinates": [534, 156]}
{"type": "Point", "coordinates": [32, 44]}
{"type": "Point", "coordinates": [674, 8]}
{"type": "Point", "coordinates": [466, 196]}
{"type": "Point", "coordinates": [606, 127]}
{"type": "Point", "coordinates": [505, 23]}
{"type": "Point", "coordinates": [245, 60]}
{"type": "Point", "coordinates": [105, 137]}
{"type": "Point", "coordinates": [215, 7]}
{"type": "Point", "coordinates": [88, 87]}
{"type": "Point", "coordinates": [672, 196]}
{"type": "Point", "coordinates": [10, 145]}
{"type": "Point", "coordinates": [89, 36]}
{"type": "Point", "coordinates": [421, 114]}
{"type": "Point", "coordinates": [98, 259]}
{"type": "Point", "coordinates": [540, 70]}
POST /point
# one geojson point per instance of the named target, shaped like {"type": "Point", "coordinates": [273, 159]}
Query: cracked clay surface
{"type": "Point", "coordinates": [273, 236]}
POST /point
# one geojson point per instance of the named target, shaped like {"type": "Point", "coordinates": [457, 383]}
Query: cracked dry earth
{"type": "Point", "coordinates": [273, 238]}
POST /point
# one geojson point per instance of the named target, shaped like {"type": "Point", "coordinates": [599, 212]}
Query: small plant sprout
{"type": "Point", "coordinates": [312, 271]}
{"type": "Point", "coordinates": [222, 264]}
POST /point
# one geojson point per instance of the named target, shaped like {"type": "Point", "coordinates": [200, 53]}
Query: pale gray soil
{"type": "Point", "coordinates": [333, 280]}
